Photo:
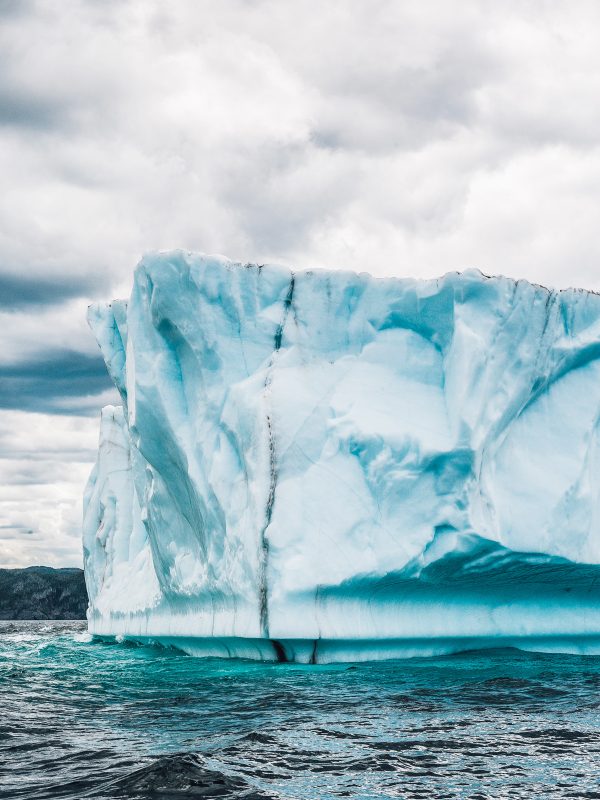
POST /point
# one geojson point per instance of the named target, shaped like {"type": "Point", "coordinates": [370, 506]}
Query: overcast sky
{"type": "Point", "coordinates": [402, 138]}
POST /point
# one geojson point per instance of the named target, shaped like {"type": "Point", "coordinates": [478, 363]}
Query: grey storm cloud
{"type": "Point", "coordinates": [29, 112]}
{"type": "Point", "coordinates": [388, 137]}
{"type": "Point", "coordinates": [17, 292]}
{"type": "Point", "coordinates": [14, 8]}
{"type": "Point", "coordinates": [41, 384]}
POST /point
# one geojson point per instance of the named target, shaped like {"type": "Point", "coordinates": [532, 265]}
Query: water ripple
{"type": "Point", "coordinates": [85, 718]}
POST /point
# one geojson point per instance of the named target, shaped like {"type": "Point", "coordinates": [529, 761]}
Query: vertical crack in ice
{"type": "Point", "coordinates": [279, 651]}
{"type": "Point", "coordinates": [264, 543]}
{"type": "Point", "coordinates": [286, 308]}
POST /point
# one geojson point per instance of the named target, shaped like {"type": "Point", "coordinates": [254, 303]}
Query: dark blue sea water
{"type": "Point", "coordinates": [81, 718]}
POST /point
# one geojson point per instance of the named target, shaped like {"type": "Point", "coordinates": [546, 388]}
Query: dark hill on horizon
{"type": "Point", "coordinates": [42, 593]}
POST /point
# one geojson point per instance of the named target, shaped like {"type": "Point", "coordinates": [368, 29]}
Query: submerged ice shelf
{"type": "Point", "coordinates": [326, 466]}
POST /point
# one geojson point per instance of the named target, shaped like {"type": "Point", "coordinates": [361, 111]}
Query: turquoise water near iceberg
{"type": "Point", "coordinates": [82, 718]}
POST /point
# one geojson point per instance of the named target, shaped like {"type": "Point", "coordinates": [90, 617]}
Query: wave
{"type": "Point", "coordinates": [174, 776]}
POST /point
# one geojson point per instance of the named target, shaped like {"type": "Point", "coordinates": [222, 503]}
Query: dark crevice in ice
{"type": "Point", "coordinates": [279, 651]}
{"type": "Point", "coordinates": [313, 655]}
{"type": "Point", "coordinates": [264, 544]}
{"type": "Point", "coordinates": [286, 307]}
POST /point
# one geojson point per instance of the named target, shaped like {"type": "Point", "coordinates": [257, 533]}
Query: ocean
{"type": "Point", "coordinates": [87, 718]}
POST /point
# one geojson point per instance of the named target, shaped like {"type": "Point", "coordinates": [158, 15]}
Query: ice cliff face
{"type": "Point", "coordinates": [326, 466]}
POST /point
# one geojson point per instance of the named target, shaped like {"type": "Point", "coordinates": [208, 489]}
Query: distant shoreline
{"type": "Point", "coordinates": [42, 593]}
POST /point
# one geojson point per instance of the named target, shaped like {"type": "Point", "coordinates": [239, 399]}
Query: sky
{"type": "Point", "coordinates": [399, 138]}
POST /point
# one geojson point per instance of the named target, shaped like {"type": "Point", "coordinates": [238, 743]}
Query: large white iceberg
{"type": "Point", "coordinates": [322, 466]}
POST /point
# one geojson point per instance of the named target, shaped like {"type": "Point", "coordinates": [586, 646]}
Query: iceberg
{"type": "Point", "coordinates": [325, 466]}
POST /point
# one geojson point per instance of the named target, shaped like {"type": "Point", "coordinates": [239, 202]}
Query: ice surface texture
{"type": "Point", "coordinates": [327, 466]}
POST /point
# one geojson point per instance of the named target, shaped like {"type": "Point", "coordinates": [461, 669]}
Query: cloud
{"type": "Point", "coordinates": [13, 8]}
{"type": "Point", "coordinates": [17, 291]}
{"type": "Point", "coordinates": [45, 383]}
{"type": "Point", "coordinates": [268, 131]}
{"type": "Point", "coordinates": [44, 464]}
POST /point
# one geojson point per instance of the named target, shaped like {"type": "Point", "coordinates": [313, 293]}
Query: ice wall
{"type": "Point", "coordinates": [327, 466]}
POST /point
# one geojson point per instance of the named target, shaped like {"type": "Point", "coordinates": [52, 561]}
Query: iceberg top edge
{"type": "Point", "coordinates": [179, 256]}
